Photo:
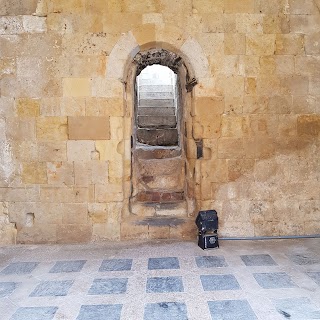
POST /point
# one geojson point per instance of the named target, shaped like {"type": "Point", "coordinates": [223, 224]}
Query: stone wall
{"type": "Point", "coordinates": [66, 117]}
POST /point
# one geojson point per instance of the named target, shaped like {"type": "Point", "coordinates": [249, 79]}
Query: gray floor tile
{"type": "Point", "coordinates": [116, 265]}
{"type": "Point", "coordinates": [19, 268]}
{"type": "Point", "coordinates": [258, 260]}
{"type": "Point", "coordinates": [211, 262]}
{"type": "Point", "coordinates": [108, 286]}
{"type": "Point", "coordinates": [52, 288]}
{"type": "Point", "coordinates": [68, 266]}
{"type": "Point", "coordinates": [219, 282]}
{"type": "Point", "coordinates": [35, 313]}
{"type": "Point", "coordinates": [165, 311]}
{"type": "Point", "coordinates": [163, 263]}
{"type": "Point", "coordinates": [315, 276]}
{"type": "Point", "coordinates": [165, 284]}
{"type": "Point", "coordinates": [231, 310]}
{"type": "Point", "coordinates": [297, 309]}
{"type": "Point", "coordinates": [304, 259]}
{"type": "Point", "coordinates": [7, 288]}
{"type": "Point", "coordinates": [100, 312]}
{"type": "Point", "coordinates": [274, 280]}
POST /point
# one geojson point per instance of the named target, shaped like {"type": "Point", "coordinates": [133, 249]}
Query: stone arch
{"type": "Point", "coordinates": [180, 60]}
{"type": "Point", "coordinates": [169, 38]}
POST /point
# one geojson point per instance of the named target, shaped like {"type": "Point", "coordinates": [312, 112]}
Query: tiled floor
{"type": "Point", "coordinates": [275, 279]}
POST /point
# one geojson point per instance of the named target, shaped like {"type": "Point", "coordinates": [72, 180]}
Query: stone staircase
{"type": "Point", "coordinates": [157, 119]}
{"type": "Point", "coordinates": [161, 176]}
{"type": "Point", "coordinates": [159, 205]}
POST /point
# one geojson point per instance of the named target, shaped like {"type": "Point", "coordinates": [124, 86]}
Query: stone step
{"type": "Point", "coordinates": [157, 121]}
{"type": "Point", "coordinates": [158, 137]}
{"type": "Point", "coordinates": [176, 209]}
{"type": "Point", "coordinates": [168, 227]}
{"type": "Point", "coordinates": [160, 167]}
{"type": "Point", "coordinates": [160, 196]}
{"type": "Point", "coordinates": [156, 95]}
{"type": "Point", "coordinates": [156, 103]}
{"type": "Point", "coordinates": [154, 81]}
{"type": "Point", "coordinates": [173, 182]}
{"type": "Point", "coordinates": [156, 88]}
{"type": "Point", "coordinates": [151, 152]}
{"type": "Point", "coordinates": [156, 111]}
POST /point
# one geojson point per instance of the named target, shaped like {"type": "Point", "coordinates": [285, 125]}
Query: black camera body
{"type": "Point", "coordinates": [207, 223]}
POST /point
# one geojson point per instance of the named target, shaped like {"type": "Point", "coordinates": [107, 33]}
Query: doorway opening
{"type": "Point", "coordinates": [157, 103]}
{"type": "Point", "coordinates": [160, 185]}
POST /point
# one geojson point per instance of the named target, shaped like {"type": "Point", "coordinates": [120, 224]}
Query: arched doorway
{"type": "Point", "coordinates": [162, 180]}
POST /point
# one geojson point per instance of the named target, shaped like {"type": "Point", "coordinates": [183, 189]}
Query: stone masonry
{"type": "Point", "coordinates": [66, 113]}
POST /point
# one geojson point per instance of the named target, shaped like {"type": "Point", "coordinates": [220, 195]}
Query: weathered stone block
{"type": "Point", "coordinates": [108, 192]}
{"type": "Point", "coordinates": [230, 148]}
{"type": "Point", "coordinates": [259, 147]}
{"type": "Point", "coordinates": [234, 6]}
{"type": "Point", "coordinates": [74, 213]}
{"type": "Point", "coordinates": [20, 129]}
{"type": "Point", "coordinates": [76, 87]}
{"type": "Point", "coordinates": [234, 43]}
{"type": "Point", "coordinates": [314, 88]}
{"type": "Point", "coordinates": [51, 128]}
{"type": "Point", "coordinates": [109, 150]}
{"type": "Point", "coordinates": [34, 24]}
{"type": "Point", "coordinates": [93, 172]}
{"type": "Point", "coordinates": [312, 43]}
{"type": "Point", "coordinates": [289, 44]}
{"type": "Point", "coordinates": [112, 107]}
{"type": "Point", "coordinates": [26, 151]}
{"type": "Point", "coordinates": [239, 168]}
{"type": "Point", "coordinates": [52, 151]}
{"type": "Point", "coordinates": [295, 85]}
{"type": "Point", "coordinates": [64, 194]}
{"type": "Point", "coordinates": [212, 22]}
{"type": "Point", "coordinates": [18, 7]}
{"type": "Point", "coordinates": [60, 173]}
{"type": "Point", "coordinates": [106, 231]}
{"type": "Point", "coordinates": [7, 67]}
{"type": "Point", "coordinates": [79, 150]}
{"type": "Point", "coordinates": [106, 88]}
{"type": "Point", "coordinates": [204, 6]}
{"type": "Point", "coordinates": [302, 7]}
{"type": "Point", "coordinates": [208, 107]}
{"type": "Point", "coordinates": [245, 23]}
{"type": "Point", "coordinates": [303, 23]}
{"type": "Point", "coordinates": [73, 106]}
{"type": "Point", "coordinates": [74, 233]}
{"type": "Point", "coordinates": [34, 173]}
{"type": "Point", "coordinates": [276, 24]}
{"type": "Point", "coordinates": [261, 45]}
{"type": "Point", "coordinates": [37, 234]}
{"type": "Point", "coordinates": [130, 230]}
{"type": "Point", "coordinates": [308, 125]}
{"type": "Point", "coordinates": [214, 171]}
{"type": "Point", "coordinates": [232, 126]}
{"type": "Point", "coordinates": [233, 86]}
{"type": "Point", "coordinates": [28, 107]}
{"type": "Point", "coordinates": [97, 212]}
{"type": "Point", "coordinates": [88, 128]}
{"type": "Point", "coordinates": [11, 25]}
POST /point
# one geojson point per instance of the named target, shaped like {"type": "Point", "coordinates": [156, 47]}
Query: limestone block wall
{"type": "Point", "coordinates": [66, 118]}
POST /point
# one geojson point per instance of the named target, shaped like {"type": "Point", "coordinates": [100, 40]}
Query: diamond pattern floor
{"type": "Point", "coordinates": [275, 279]}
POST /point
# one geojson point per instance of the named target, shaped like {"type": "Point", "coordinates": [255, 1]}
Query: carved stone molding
{"type": "Point", "coordinates": [164, 58]}
{"type": "Point", "coordinates": [157, 56]}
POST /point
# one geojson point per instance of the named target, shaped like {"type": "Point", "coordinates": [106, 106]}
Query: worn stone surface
{"type": "Point", "coordinates": [249, 121]}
